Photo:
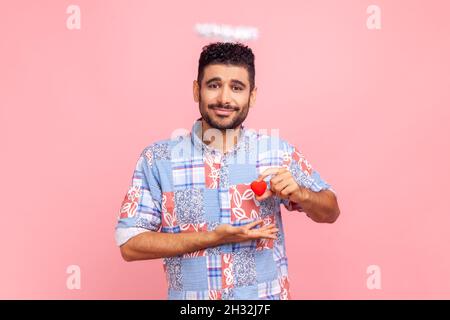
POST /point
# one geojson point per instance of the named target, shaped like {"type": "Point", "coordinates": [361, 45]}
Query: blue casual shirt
{"type": "Point", "coordinates": [183, 185]}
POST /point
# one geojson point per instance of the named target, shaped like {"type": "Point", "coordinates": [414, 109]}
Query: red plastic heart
{"type": "Point", "coordinates": [258, 187]}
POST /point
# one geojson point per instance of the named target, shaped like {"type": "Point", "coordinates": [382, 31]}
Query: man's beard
{"type": "Point", "coordinates": [235, 123]}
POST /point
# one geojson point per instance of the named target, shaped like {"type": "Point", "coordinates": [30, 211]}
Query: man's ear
{"type": "Point", "coordinates": [196, 91]}
{"type": "Point", "coordinates": [253, 96]}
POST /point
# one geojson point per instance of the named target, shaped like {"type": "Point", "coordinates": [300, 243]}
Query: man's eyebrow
{"type": "Point", "coordinates": [238, 82]}
{"type": "Point", "coordinates": [234, 81]}
{"type": "Point", "coordinates": [213, 79]}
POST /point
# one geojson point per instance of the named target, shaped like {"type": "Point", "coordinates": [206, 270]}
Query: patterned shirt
{"type": "Point", "coordinates": [183, 185]}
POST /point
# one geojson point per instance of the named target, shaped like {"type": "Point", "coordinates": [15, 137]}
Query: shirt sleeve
{"type": "Point", "coordinates": [304, 174]}
{"type": "Point", "coordinates": [140, 210]}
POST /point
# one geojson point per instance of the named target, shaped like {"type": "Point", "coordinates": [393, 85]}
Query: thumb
{"type": "Point", "coordinates": [268, 193]}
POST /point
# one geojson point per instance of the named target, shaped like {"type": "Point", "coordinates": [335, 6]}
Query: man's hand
{"type": "Point", "coordinates": [226, 233]}
{"type": "Point", "coordinates": [282, 185]}
{"type": "Point", "coordinates": [319, 206]}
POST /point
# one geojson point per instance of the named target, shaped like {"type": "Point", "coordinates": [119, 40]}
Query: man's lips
{"type": "Point", "coordinates": [223, 111]}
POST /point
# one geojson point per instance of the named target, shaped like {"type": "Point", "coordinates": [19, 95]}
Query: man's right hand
{"type": "Point", "coordinates": [226, 233]}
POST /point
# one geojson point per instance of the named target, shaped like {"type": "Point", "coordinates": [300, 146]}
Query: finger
{"type": "Point", "coordinates": [286, 192]}
{"type": "Point", "coordinates": [253, 224]}
{"type": "Point", "coordinates": [268, 172]}
{"type": "Point", "coordinates": [268, 193]}
{"type": "Point", "coordinates": [278, 188]}
{"type": "Point", "coordinates": [270, 236]}
{"type": "Point", "coordinates": [268, 227]}
{"type": "Point", "coordinates": [283, 175]}
{"type": "Point", "coordinates": [272, 231]}
{"type": "Point", "coordinates": [259, 235]}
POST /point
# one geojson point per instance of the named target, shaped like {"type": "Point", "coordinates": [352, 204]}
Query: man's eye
{"type": "Point", "coordinates": [213, 86]}
{"type": "Point", "coordinates": [237, 88]}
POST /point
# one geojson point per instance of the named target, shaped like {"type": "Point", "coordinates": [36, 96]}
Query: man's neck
{"type": "Point", "coordinates": [224, 141]}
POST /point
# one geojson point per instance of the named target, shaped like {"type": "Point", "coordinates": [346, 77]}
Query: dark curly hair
{"type": "Point", "coordinates": [227, 53]}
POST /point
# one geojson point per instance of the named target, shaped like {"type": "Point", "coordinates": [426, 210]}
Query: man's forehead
{"type": "Point", "coordinates": [226, 72]}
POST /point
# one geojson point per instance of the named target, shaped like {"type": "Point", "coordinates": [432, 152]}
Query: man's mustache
{"type": "Point", "coordinates": [222, 106]}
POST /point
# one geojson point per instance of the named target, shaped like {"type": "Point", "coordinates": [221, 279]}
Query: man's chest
{"type": "Point", "coordinates": [199, 193]}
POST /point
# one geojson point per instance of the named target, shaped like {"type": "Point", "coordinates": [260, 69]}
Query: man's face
{"type": "Point", "coordinates": [224, 96]}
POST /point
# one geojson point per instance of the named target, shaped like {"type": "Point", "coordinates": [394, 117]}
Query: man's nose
{"type": "Point", "coordinates": [225, 95]}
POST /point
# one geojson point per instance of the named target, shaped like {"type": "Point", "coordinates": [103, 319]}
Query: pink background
{"type": "Point", "coordinates": [369, 109]}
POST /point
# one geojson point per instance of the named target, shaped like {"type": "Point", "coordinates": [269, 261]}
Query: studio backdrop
{"type": "Point", "coordinates": [361, 87]}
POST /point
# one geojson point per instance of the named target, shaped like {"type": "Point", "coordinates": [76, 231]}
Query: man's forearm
{"type": "Point", "coordinates": [154, 245]}
{"type": "Point", "coordinates": [320, 206]}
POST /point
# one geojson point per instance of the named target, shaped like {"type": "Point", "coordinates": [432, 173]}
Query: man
{"type": "Point", "coordinates": [191, 202]}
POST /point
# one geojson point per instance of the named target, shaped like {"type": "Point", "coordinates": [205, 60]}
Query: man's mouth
{"type": "Point", "coordinates": [223, 111]}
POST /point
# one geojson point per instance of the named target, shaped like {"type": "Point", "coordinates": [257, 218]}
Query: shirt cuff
{"type": "Point", "coordinates": [332, 190]}
{"type": "Point", "coordinates": [124, 234]}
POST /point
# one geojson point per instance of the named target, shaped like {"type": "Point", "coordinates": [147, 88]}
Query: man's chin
{"type": "Point", "coordinates": [222, 123]}
{"type": "Point", "coordinates": [223, 126]}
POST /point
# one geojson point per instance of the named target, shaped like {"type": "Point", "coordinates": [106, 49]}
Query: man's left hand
{"type": "Point", "coordinates": [282, 185]}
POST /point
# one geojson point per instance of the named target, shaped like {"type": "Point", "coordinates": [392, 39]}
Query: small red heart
{"type": "Point", "coordinates": [258, 187]}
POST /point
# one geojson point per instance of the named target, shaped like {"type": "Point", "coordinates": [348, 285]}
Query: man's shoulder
{"type": "Point", "coordinates": [169, 142]}
{"type": "Point", "coordinates": [162, 146]}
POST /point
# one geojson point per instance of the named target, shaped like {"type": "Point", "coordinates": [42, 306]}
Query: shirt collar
{"type": "Point", "coordinates": [196, 137]}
